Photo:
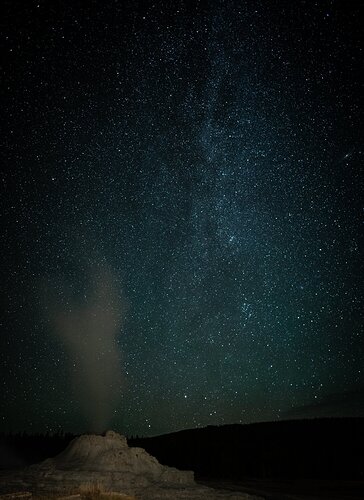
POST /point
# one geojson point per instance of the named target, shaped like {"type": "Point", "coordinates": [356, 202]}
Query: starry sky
{"type": "Point", "coordinates": [181, 212]}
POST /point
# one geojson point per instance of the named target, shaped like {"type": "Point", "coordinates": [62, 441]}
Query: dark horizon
{"type": "Point", "coordinates": [181, 214]}
{"type": "Point", "coordinates": [64, 436]}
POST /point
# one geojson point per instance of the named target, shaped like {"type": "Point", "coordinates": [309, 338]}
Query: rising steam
{"type": "Point", "coordinates": [88, 328]}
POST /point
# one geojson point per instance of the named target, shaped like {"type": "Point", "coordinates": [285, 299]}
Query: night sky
{"type": "Point", "coordinates": [181, 213]}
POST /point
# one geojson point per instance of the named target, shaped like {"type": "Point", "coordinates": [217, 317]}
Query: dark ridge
{"type": "Point", "coordinates": [328, 448]}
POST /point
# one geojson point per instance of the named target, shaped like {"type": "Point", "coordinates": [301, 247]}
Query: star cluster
{"type": "Point", "coordinates": [205, 156]}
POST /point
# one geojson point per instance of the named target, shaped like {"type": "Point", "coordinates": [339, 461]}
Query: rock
{"type": "Point", "coordinates": [107, 464]}
{"type": "Point", "coordinates": [110, 454]}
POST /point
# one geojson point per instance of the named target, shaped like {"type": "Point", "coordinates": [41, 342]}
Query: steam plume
{"type": "Point", "coordinates": [88, 330]}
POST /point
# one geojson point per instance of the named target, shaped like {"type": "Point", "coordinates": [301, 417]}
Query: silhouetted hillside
{"type": "Point", "coordinates": [302, 449]}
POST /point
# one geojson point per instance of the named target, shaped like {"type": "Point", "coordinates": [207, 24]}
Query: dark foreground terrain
{"type": "Point", "coordinates": [317, 449]}
{"type": "Point", "coordinates": [294, 490]}
{"type": "Point", "coordinates": [298, 459]}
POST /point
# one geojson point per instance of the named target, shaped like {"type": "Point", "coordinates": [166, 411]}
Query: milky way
{"type": "Point", "coordinates": [207, 154]}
